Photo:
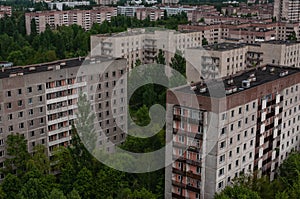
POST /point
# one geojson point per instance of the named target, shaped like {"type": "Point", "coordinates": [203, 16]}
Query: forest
{"type": "Point", "coordinates": [63, 42]}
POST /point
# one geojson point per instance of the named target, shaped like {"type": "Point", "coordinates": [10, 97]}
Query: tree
{"type": "Point", "coordinates": [17, 155]}
{"type": "Point", "coordinates": [160, 58]}
{"type": "Point", "coordinates": [290, 168]}
{"type": "Point", "coordinates": [292, 36]}
{"type": "Point", "coordinates": [178, 63]}
{"type": "Point", "coordinates": [204, 41]}
{"type": "Point", "coordinates": [73, 195]}
{"type": "Point", "coordinates": [39, 160]}
{"type": "Point", "coordinates": [237, 192]}
{"type": "Point", "coordinates": [138, 62]}
{"type": "Point", "coordinates": [11, 185]}
{"type": "Point", "coordinates": [85, 123]}
{"type": "Point", "coordinates": [34, 188]}
{"type": "Point", "coordinates": [57, 194]}
{"type": "Point", "coordinates": [84, 183]}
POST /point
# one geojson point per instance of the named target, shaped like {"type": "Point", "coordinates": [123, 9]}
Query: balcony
{"type": "Point", "coordinates": [194, 189]}
{"type": "Point", "coordinates": [177, 196]}
{"type": "Point", "coordinates": [193, 175]}
{"type": "Point", "coordinates": [178, 184]}
{"type": "Point", "coordinates": [58, 141]}
{"type": "Point", "coordinates": [194, 162]}
{"type": "Point", "coordinates": [56, 131]}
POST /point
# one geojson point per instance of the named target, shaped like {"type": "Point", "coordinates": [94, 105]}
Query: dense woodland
{"type": "Point", "coordinates": [64, 42]}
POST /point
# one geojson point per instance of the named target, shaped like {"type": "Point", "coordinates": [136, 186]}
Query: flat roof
{"type": "Point", "coordinates": [287, 42]}
{"type": "Point", "coordinates": [218, 87]}
{"type": "Point", "coordinates": [43, 67]}
{"type": "Point", "coordinates": [221, 46]}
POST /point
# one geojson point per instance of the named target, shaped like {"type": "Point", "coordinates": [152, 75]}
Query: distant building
{"type": "Point", "coordinates": [71, 4]}
{"type": "Point", "coordinates": [287, 10]}
{"type": "Point", "coordinates": [5, 10]}
{"type": "Point", "coordinates": [84, 18]}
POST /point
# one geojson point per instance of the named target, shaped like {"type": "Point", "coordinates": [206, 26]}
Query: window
{"type": "Point", "coordinates": [30, 101]}
{"type": "Point", "coordinates": [20, 114]}
{"type": "Point", "coordinates": [232, 113]}
{"type": "Point", "coordinates": [230, 140]}
{"type": "Point", "coordinates": [220, 185]}
{"type": "Point", "coordinates": [240, 110]}
{"type": "Point", "coordinates": [222, 158]}
{"type": "Point", "coordinates": [9, 116]}
{"type": "Point", "coordinates": [221, 172]}
{"type": "Point", "coordinates": [238, 150]}
{"type": "Point", "coordinates": [29, 89]}
{"type": "Point", "coordinates": [222, 145]}
{"type": "Point", "coordinates": [229, 167]}
{"type": "Point", "coordinates": [21, 125]}
{"type": "Point", "coordinates": [8, 105]}
{"type": "Point", "coordinates": [8, 93]}
{"type": "Point", "coordinates": [39, 87]}
{"type": "Point", "coordinates": [237, 163]}
{"type": "Point", "coordinates": [19, 91]}
{"type": "Point", "coordinates": [238, 137]}
{"type": "Point", "coordinates": [20, 102]}
{"type": "Point", "coordinates": [223, 131]}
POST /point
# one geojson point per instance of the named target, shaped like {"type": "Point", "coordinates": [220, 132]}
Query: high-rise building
{"type": "Point", "coordinates": [222, 128]}
{"type": "Point", "coordinates": [40, 101]}
{"type": "Point", "coordinates": [287, 10]}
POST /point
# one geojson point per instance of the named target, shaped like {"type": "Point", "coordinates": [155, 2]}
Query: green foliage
{"type": "Point", "coordinates": [64, 42]}
{"type": "Point", "coordinates": [160, 58]}
{"type": "Point", "coordinates": [237, 192]}
{"type": "Point", "coordinates": [85, 123]}
{"type": "Point", "coordinates": [17, 155]}
{"type": "Point", "coordinates": [285, 185]}
{"type": "Point", "coordinates": [178, 63]}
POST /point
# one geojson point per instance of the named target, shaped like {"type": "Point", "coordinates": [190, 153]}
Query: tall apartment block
{"type": "Point", "coordinates": [40, 102]}
{"type": "Point", "coordinates": [83, 18]}
{"type": "Point", "coordinates": [287, 10]}
{"type": "Point", "coordinates": [220, 129]}
{"type": "Point", "coordinates": [144, 44]}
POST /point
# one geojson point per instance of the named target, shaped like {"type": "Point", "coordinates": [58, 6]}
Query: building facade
{"type": "Point", "coordinates": [221, 130]}
{"type": "Point", "coordinates": [5, 10]}
{"type": "Point", "coordinates": [83, 18]}
{"type": "Point", "coordinates": [143, 44]}
{"type": "Point", "coordinates": [40, 102]}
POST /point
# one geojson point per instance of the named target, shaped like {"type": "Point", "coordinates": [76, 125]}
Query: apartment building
{"type": "Point", "coordinates": [223, 128]}
{"type": "Point", "coordinates": [144, 44]}
{"type": "Point", "coordinates": [215, 60]}
{"type": "Point", "coordinates": [151, 12]}
{"type": "Point", "coordinates": [287, 10]}
{"type": "Point", "coordinates": [5, 10]}
{"type": "Point", "coordinates": [129, 11]}
{"type": "Point", "coordinates": [106, 2]}
{"type": "Point", "coordinates": [40, 102]}
{"type": "Point", "coordinates": [70, 4]}
{"type": "Point", "coordinates": [84, 18]}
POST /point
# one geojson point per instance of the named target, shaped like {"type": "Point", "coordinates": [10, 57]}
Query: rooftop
{"type": "Point", "coordinates": [60, 64]}
{"type": "Point", "coordinates": [287, 42]}
{"type": "Point", "coordinates": [222, 46]}
{"type": "Point", "coordinates": [240, 82]}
